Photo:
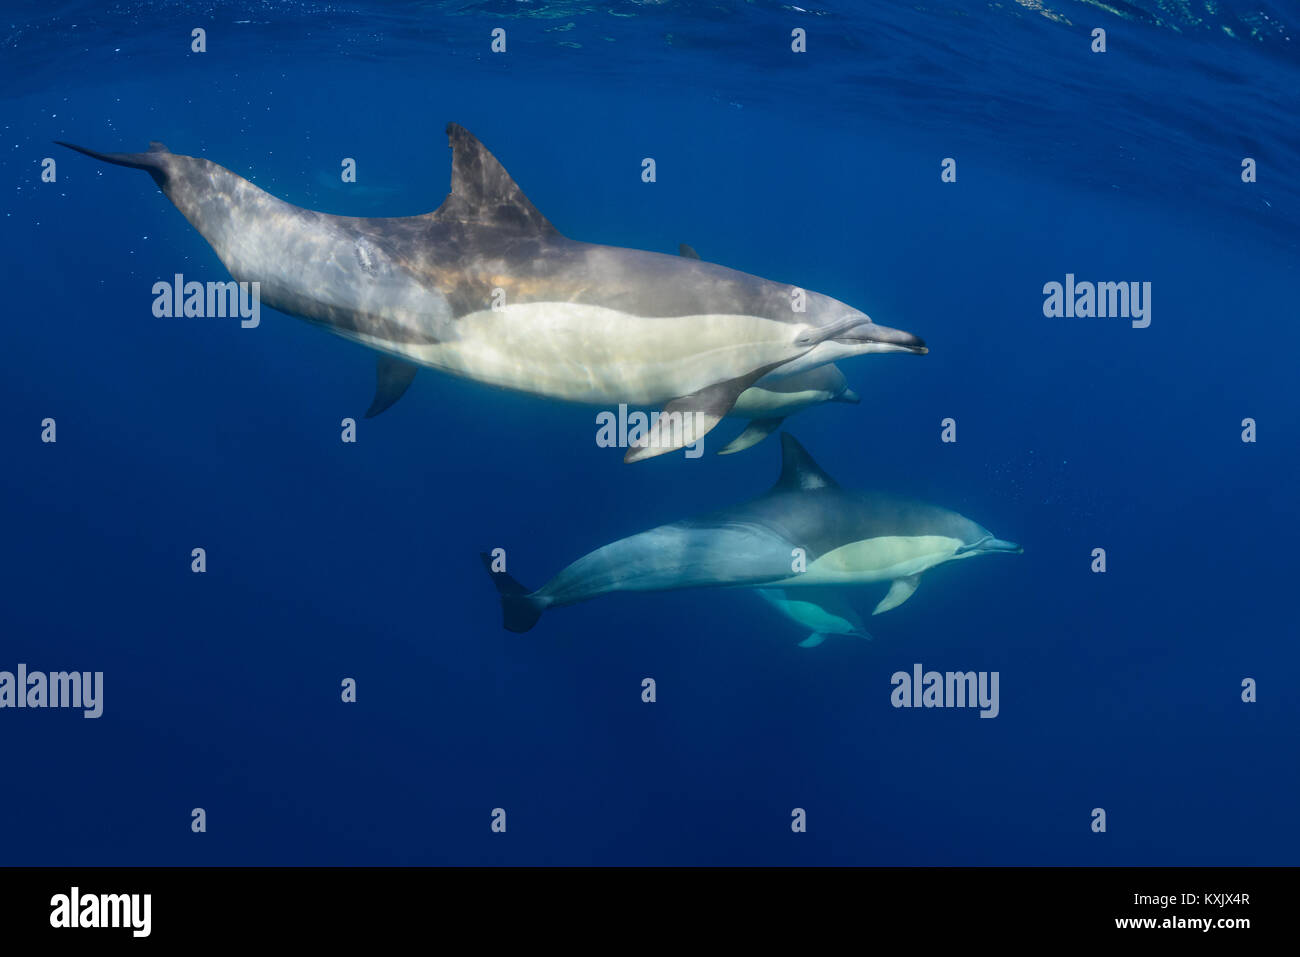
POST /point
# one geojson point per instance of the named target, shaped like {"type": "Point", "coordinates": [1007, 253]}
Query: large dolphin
{"type": "Point", "coordinates": [485, 287]}
{"type": "Point", "coordinates": [766, 403]}
{"type": "Point", "coordinates": [805, 521]}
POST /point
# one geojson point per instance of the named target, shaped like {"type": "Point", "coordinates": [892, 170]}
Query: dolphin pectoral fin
{"type": "Point", "coordinates": [899, 592]}
{"type": "Point", "coordinates": [755, 432]}
{"type": "Point", "coordinates": [813, 640]}
{"type": "Point", "coordinates": [686, 420]}
{"type": "Point", "coordinates": [393, 377]}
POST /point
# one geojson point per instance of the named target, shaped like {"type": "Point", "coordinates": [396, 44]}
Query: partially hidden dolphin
{"type": "Point", "coordinates": [487, 288]}
{"type": "Point", "coordinates": [824, 612]}
{"type": "Point", "coordinates": [805, 531]}
{"type": "Point", "coordinates": [770, 400]}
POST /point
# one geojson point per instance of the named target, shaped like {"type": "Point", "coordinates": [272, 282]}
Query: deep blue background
{"type": "Point", "coordinates": [329, 560]}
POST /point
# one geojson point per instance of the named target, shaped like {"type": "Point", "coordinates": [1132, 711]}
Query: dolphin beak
{"type": "Point", "coordinates": [892, 340]}
{"type": "Point", "coordinates": [998, 545]}
{"type": "Point", "coordinates": [991, 544]}
{"type": "Point", "coordinates": [848, 395]}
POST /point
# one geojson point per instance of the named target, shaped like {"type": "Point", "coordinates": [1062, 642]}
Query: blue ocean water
{"type": "Point", "coordinates": [327, 561]}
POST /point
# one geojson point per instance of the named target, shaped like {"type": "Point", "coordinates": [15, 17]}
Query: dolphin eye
{"type": "Point", "coordinates": [805, 340]}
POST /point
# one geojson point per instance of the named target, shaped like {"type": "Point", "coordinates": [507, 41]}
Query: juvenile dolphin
{"type": "Point", "coordinates": [486, 288]}
{"type": "Point", "coordinates": [821, 611]}
{"type": "Point", "coordinates": [769, 401]}
{"type": "Point", "coordinates": [804, 521]}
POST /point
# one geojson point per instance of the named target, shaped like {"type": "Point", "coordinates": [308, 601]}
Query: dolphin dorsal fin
{"type": "Point", "coordinates": [482, 192]}
{"type": "Point", "coordinates": [798, 470]}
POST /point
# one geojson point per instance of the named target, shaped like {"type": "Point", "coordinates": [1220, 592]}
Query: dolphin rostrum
{"type": "Point", "coordinates": [805, 531]}
{"type": "Point", "coordinates": [486, 288]}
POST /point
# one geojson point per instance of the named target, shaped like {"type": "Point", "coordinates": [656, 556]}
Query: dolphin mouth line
{"type": "Point", "coordinates": [896, 339]}
{"type": "Point", "coordinates": [991, 544]}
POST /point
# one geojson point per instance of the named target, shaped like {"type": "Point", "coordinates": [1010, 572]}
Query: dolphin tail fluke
{"type": "Point", "coordinates": [519, 612]}
{"type": "Point", "coordinates": [153, 162]}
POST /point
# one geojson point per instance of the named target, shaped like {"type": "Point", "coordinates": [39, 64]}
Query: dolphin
{"type": "Point", "coordinates": [485, 287]}
{"type": "Point", "coordinates": [822, 614]}
{"type": "Point", "coordinates": [804, 531]}
{"type": "Point", "coordinates": [767, 403]}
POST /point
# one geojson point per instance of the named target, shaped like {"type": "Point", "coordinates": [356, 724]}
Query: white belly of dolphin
{"type": "Point", "coordinates": [879, 559]}
{"type": "Point", "coordinates": [594, 354]}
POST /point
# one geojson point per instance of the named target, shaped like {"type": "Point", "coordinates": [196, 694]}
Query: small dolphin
{"type": "Point", "coordinates": [822, 612]}
{"type": "Point", "coordinates": [487, 288]}
{"type": "Point", "coordinates": [769, 401]}
{"type": "Point", "coordinates": [804, 531]}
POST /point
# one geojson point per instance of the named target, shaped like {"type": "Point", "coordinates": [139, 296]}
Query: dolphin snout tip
{"type": "Point", "coordinates": [849, 396]}
{"type": "Point", "coordinates": [913, 344]}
